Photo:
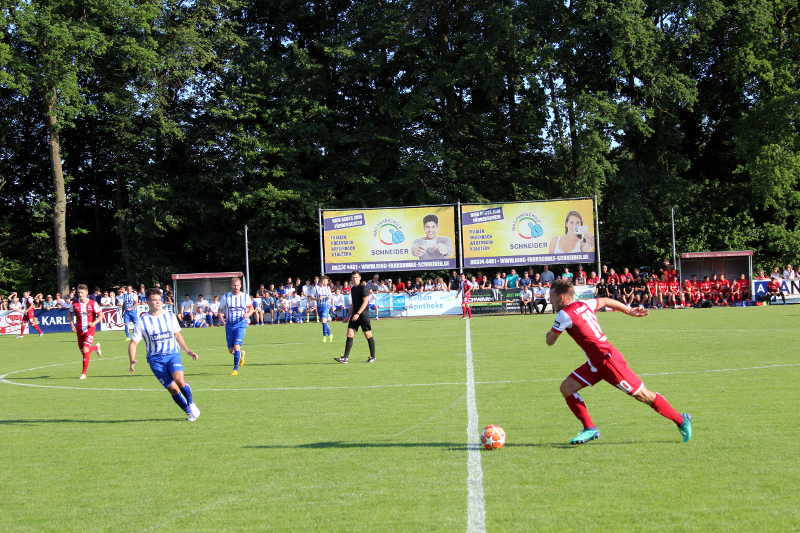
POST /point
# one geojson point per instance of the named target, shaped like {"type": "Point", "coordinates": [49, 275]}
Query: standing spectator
{"type": "Point", "coordinates": [580, 277]}
{"type": "Point", "coordinates": [187, 306]}
{"type": "Point", "coordinates": [429, 285]}
{"type": "Point", "coordinates": [167, 295]}
{"type": "Point", "coordinates": [498, 284]}
{"type": "Point", "coordinates": [337, 304]}
{"type": "Point", "coordinates": [512, 280]}
{"type": "Point", "coordinates": [213, 308]}
{"type": "Point", "coordinates": [776, 273]}
{"type": "Point", "coordinates": [441, 285]}
{"type": "Point", "coordinates": [604, 273]}
{"type": "Point", "coordinates": [61, 303]}
{"type": "Point", "coordinates": [454, 281]}
{"type": "Point", "coordinates": [400, 286]}
{"type": "Point", "coordinates": [788, 273]}
{"type": "Point", "coordinates": [761, 275]}
{"type": "Point", "coordinates": [526, 301]}
{"type": "Point", "coordinates": [547, 276]}
{"type": "Point", "coordinates": [49, 303]}
{"type": "Point", "coordinates": [142, 294]}
{"type": "Point", "coordinates": [567, 274]}
{"type": "Point", "coordinates": [106, 300]}
{"type": "Point", "coordinates": [525, 281]}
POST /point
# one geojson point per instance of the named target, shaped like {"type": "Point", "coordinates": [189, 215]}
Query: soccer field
{"type": "Point", "coordinates": [298, 442]}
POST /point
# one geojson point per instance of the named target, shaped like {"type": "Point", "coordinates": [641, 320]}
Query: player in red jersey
{"type": "Point", "coordinates": [28, 315]}
{"type": "Point", "coordinates": [724, 290]}
{"type": "Point", "coordinates": [688, 292]}
{"type": "Point", "coordinates": [705, 288]}
{"type": "Point", "coordinates": [84, 315]}
{"type": "Point", "coordinates": [604, 361]}
{"type": "Point", "coordinates": [677, 293]}
{"type": "Point", "coordinates": [663, 291]}
{"type": "Point", "coordinates": [774, 290]}
{"type": "Point", "coordinates": [743, 287]}
{"type": "Point", "coordinates": [652, 291]}
{"type": "Point", "coordinates": [466, 297]}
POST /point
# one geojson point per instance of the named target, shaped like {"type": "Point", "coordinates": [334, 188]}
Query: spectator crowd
{"type": "Point", "coordinates": [295, 301]}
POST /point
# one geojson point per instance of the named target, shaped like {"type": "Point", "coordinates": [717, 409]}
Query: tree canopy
{"type": "Point", "coordinates": [179, 122]}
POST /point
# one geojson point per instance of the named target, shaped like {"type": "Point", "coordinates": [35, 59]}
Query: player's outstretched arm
{"type": "Point", "coordinates": [132, 356]}
{"type": "Point", "coordinates": [619, 306]}
{"type": "Point", "coordinates": [551, 337]}
{"type": "Point", "coordinates": [185, 347]}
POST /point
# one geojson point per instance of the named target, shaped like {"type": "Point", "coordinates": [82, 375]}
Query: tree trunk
{"type": "Point", "coordinates": [60, 207]}
{"type": "Point", "coordinates": [121, 219]}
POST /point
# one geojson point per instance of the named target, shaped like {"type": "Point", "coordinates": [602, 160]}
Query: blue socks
{"type": "Point", "coordinates": [237, 355]}
{"type": "Point", "coordinates": [326, 329]}
{"type": "Point", "coordinates": [181, 401]}
{"type": "Point", "coordinates": [187, 393]}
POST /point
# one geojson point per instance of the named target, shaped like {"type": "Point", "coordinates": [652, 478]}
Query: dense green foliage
{"type": "Point", "coordinates": [297, 442]}
{"type": "Point", "coordinates": [182, 121]}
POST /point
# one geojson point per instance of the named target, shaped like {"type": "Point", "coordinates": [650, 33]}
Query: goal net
{"type": "Point", "coordinates": [209, 284]}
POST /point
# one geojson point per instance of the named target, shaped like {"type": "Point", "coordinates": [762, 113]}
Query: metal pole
{"type": "Point", "coordinates": [674, 259]}
{"type": "Point", "coordinates": [246, 262]}
{"type": "Point", "coordinates": [321, 243]}
{"type": "Point", "coordinates": [597, 235]}
{"type": "Point", "coordinates": [460, 239]}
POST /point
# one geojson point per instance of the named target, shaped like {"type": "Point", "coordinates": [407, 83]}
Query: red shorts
{"type": "Point", "coordinates": [467, 300]}
{"type": "Point", "coordinates": [85, 338]}
{"type": "Point", "coordinates": [614, 370]}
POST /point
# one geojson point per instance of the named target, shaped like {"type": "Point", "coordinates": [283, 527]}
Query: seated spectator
{"type": "Point", "coordinates": [539, 297]}
{"type": "Point", "coordinates": [761, 275]}
{"type": "Point", "coordinates": [199, 320]}
{"type": "Point", "coordinates": [337, 305]}
{"type": "Point", "coordinates": [567, 274]}
{"type": "Point", "coordinates": [774, 290]}
{"type": "Point", "coordinates": [593, 279]}
{"type": "Point", "coordinates": [580, 277]}
{"type": "Point", "coordinates": [526, 301]}
{"type": "Point", "coordinates": [213, 308]}
{"type": "Point", "coordinates": [106, 300]}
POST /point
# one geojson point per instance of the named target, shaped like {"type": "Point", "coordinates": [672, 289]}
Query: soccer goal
{"type": "Point", "coordinates": [209, 284]}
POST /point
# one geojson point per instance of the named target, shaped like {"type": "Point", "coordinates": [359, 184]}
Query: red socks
{"type": "Point", "coordinates": [662, 407]}
{"type": "Point", "coordinates": [578, 407]}
{"type": "Point", "coordinates": [86, 357]}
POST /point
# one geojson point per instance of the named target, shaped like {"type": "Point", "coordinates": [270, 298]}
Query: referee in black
{"type": "Point", "coordinates": [358, 319]}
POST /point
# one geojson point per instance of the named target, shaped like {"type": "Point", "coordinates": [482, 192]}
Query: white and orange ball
{"type": "Point", "coordinates": [493, 437]}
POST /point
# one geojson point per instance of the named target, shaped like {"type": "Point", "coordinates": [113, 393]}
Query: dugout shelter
{"type": "Point", "coordinates": [701, 264]}
{"type": "Point", "coordinates": [209, 284]}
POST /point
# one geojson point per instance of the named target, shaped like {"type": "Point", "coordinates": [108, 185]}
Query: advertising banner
{"type": "Point", "coordinates": [10, 322]}
{"type": "Point", "coordinates": [789, 288]}
{"type": "Point", "coordinates": [433, 303]}
{"type": "Point", "coordinates": [389, 239]}
{"type": "Point", "coordinates": [528, 233]}
{"type": "Point", "coordinates": [52, 321]}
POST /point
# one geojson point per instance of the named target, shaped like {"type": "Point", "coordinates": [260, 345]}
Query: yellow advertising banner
{"type": "Point", "coordinates": [389, 239]}
{"type": "Point", "coordinates": [528, 233]}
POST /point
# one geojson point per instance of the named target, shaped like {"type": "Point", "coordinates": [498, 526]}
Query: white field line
{"type": "Point", "coordinates": [4, 379]}
{"type": "Point", "coordinates": [476, 508]}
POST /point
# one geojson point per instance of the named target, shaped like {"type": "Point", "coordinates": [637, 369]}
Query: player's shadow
{"type": "Point", "coordinates": [302, 363]}
{"type": "Point", "coordinates": [448, 446]}
{"type": "Point", "coordinates": [37, 421]}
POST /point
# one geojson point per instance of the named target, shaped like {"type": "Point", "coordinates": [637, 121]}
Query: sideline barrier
{"type": "Point", "coordinates": [56, 320]}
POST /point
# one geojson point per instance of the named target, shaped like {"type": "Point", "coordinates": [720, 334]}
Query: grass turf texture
{"type": "Point", "coordinates": [351, 456]}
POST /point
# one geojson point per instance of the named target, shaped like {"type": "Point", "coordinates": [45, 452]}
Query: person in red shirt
{"type": "Point", "coordinates": [612, 278]}
{"type": "Point", "coordinates": [743, 285]}
{"type": "Point", "coordinates": [604, 361]}
{"type": "Point", "coordinates": [724, 290]}
{"type": "Point", "coordinates": [774, 290]}
{"type": "Point", "coordinates": [715, 292]}
{"type": "Point", "coordinates": [663, 290]}
{"type": "Point", "coordinates": [626, 276]}
{"type": "Point", "coordinates": [400, 286]}
{"type": "Point", "coordinates": [652, 291]}
{"type": "Point", "coordinates": [593, 279]}
{"type": "Point", "coordinates": [676, 293]}
{"type": "Point", "coordinates": [466, 297]}
{"type": "Point", "coordinates": [84, 315]}
{"type": "Point", "coordinates": [28, 315]}
{"type": "Point", "coordinates": [705, 288]}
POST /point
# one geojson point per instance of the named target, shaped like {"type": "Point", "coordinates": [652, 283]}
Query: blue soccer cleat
{"type": "Point", "coordinates": [686, 427]}
{"type": "Point", "coordinates": [585, 436]}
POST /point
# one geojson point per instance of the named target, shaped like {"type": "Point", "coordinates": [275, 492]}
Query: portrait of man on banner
{"type": "Point", "coordinates": [432, 245]}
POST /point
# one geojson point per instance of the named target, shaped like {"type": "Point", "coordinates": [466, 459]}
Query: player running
{"type": "Point", "coordinates": [466, 297]}
{"type": "Point", "coordinates": [358, 319]}
{"type": "Point", "coordinates": [323, 294]}
{"type": "Point", "coordinates": [604, 361]}
{"type": "Point", "coordinates": [235, 309]}
{"type": "Point", "coordinates": [130, 315]}
{"type": "Point", "coordinates": [162, 336]}
{"type": "Point", "coordinates": [84, 315]}
{"type": "Point", "coordinates": [28, 315]}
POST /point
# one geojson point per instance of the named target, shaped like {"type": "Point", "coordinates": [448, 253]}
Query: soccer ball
{"type": "Point", "coordinates": [493, 437]}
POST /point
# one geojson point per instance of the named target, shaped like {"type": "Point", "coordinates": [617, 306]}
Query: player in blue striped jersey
{"type": "Point", "coordinates": [235, 309]}
{"type": "Point", "coordinates": [130, 314]}
{"type": "Point", "coordinates": [162, 336]}
{"type": "Point", "coordinates": [322, 293]}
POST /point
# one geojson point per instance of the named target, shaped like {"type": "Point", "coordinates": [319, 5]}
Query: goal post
{"type": "Point", "coordinates": [209, 284]}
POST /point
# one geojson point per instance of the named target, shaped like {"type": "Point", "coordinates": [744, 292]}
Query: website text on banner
{"type": "Point", "coordinates": [528, 233]}
{"type": "Point", "coordinates": [389, 239]}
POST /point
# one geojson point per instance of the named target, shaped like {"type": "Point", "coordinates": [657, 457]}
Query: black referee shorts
{"type": "Point", "coordinates": [362, 322]}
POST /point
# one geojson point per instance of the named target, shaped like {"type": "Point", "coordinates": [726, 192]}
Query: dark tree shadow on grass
{"type": "Point", "coordinates": [37, 421]}
{"type": "Point", "coordinates": [448, 446]}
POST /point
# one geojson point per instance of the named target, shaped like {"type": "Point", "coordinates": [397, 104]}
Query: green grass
{"type": "Point", "coordinates": [348, 456]}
